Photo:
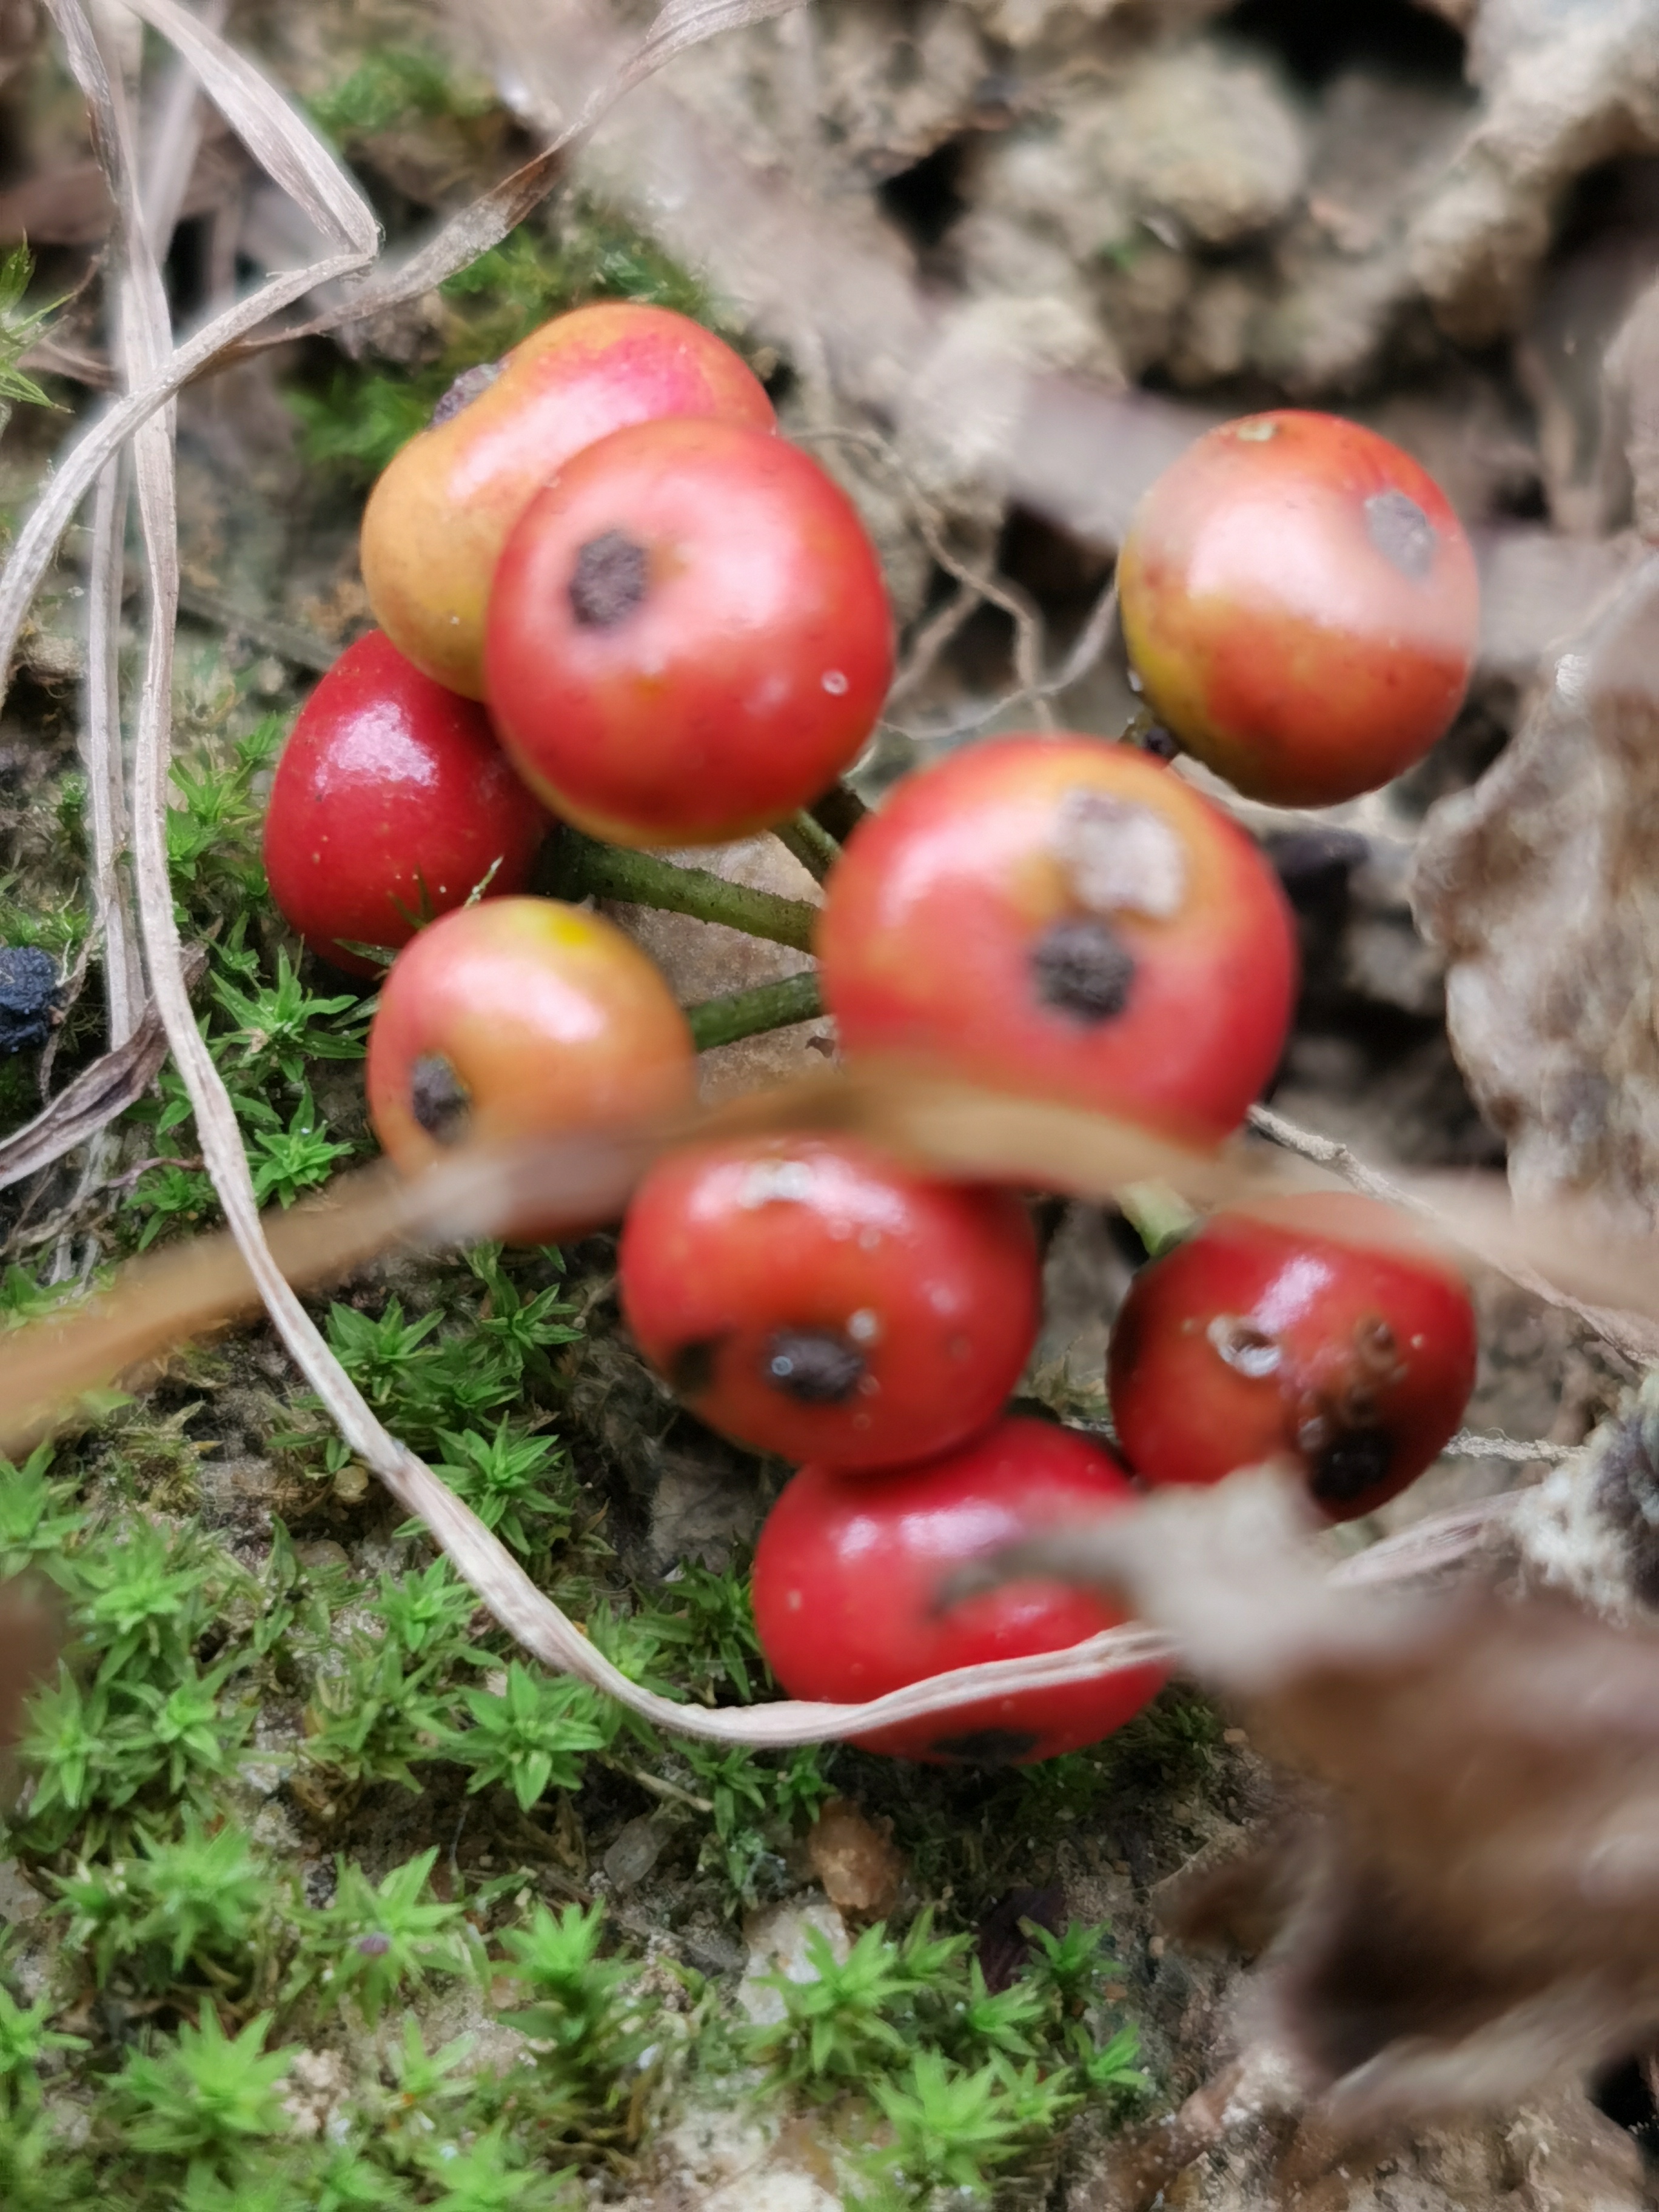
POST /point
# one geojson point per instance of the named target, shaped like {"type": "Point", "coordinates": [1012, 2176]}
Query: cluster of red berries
{"type": "Point", "coordinates": [606, 585]}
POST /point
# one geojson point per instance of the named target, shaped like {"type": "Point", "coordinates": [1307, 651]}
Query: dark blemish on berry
{"type": "Point", "coordinates": [690, 1367]}
{"type": "Point", "coordinates": [438, 1098]}
{"type": "Point", "coordinates": [811, 1366]}
{"type": "Point", "coordinates": [1248, 1350]}
{"type": "Point", "coordinates": [1353, 1462]}
{"type": "Point", "coordinates": [990, 1747]}
{"type": "Point", "coordinates": [464, 390]}
{"type": "Point", "coordinates": [609, 582]}
{"type": "Point", "coordinates": [28, 997]}
{"type": "Point", "coordinates": [1401, 532]}
{"type": "Point", "coordinates": [1083, 969]}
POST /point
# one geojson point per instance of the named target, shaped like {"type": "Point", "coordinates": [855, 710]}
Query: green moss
{"type": "Point", "coordinates": [363, 414]}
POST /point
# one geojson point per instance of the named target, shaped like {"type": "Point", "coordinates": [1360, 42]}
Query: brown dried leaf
{"type": "Point", "coordinates": [1475, 1907]}
{"type": "Point", "coordinates": [1565, 87]}
{"type": "Point", "coordinates": [857, 1862]}
{"type": "Point", "coordinates": [1541, 888]}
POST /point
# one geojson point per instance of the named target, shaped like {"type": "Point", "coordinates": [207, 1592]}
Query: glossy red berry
{"type": "Point", "coordinates": [847, 1576]}
{"type": "Point", "coordinates": [522, 1016]}
{"type": "Point", "coordinates": [1068, 917]}
{"type": "Point", "coordinates": [442, 510]}
{"type": "Point", "coordinates": [1320, 1329]}
{"type": "Point", "coordinates": [392, 803]}
{"type": "Point", "coordinates": [810, 1297]}
{"type": "Point", "coordinates": [689, 635]}
{"type": "Point", "coordinates": [1301, 605]}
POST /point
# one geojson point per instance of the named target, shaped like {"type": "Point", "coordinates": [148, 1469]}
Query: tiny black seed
{"type": "Point", "coordinates": [609, 582]}
{"type": "Point", "coordinates": [988, 1747]}
{"type": "Point", "coordinates": [1401, 532]}
{"type": "Point", "coordinates": [1354, 1461]}
{"type": "Point", "coordinates": [811, 1365]}
{"type": "Point", "coordinates": [463, 391]}
{"type": "Point", "coordinates": [438, 1098]}
{"type": "Point", "coordinates": [690, 1367]}
{"type": "Point", "coordinates": [1083, 967]}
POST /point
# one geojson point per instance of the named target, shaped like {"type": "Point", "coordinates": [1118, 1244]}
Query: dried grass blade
{"type": "Point", "coordinates": [486, 220]}
{"type": "Point", "coordinates": [101, 752]}
{"type": "Point", "coordinates": [299, 160]}
{"type": "Point", "coordinates": [114, 1081]}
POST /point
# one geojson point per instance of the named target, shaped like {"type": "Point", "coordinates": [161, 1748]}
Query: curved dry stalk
{"type": "Point", "coordinates": [294, 157]}
{"type": "Point", "coordinates": [100, 754]}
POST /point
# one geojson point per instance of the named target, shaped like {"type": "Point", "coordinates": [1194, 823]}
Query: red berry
{"type": "Point", "coordinates": [1301, 604]}
{"type": "Point", "coordinates": [524, 1017]}
{"type": "Point", "coordinates": [1070, 917]}
{"type": "Point", "coordinates": [689, 635]}
{"type": "Point", "coordinates": [848, 1571]}
{"type": "Point", "coordinates": [392, 803]}
{"type": "Point", "coordinates": [1320, 1328]}
{"type": "Point", "coordinates": [810, 1299]}
{"type": "Point", "coordinates": [438, 518]}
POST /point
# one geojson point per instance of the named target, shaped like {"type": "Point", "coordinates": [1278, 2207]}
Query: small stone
{"type": "Point", "coordinates": [856, 1860]}
{"type": "Point", "coordinates": [634, 1852]}
{"type": "Point", "coordinates": [777, 1945]}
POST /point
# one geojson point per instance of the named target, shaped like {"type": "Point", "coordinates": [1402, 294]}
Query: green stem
{"type": "Point", "coordinates": [811, 843]}
{"type": "Point", "coordinates": [582, 867]}
{"type": "Point", "coordinates": [747, 1013]}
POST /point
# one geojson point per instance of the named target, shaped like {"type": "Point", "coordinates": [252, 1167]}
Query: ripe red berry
{"type": "Point", "coordinates": [1318, 1327]}
{"type": "Point", "coordinates": [392, 803]}
{"type": "Point", "coordinates": [849, 1569]}
{"type": "Point", "coordinates": [523, 1016]}
{"type": "Point", "coordinates": [689, 635]}
{"type": "Point", "coordinates": [1301, 604]}
{"type": "Point", "coordinates": [811, 1298]}
{"type": "Point", "coordinates": [439, 516]}
{"type": "Point", "coordinates": [1068, 916]}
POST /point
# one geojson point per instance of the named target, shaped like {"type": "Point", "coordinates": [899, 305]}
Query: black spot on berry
{"type": "Point", "coordinates": [811, 1365]}
{"type": "Point", "coordinates": [438, 1098]}
{"type": "Point", "coordinates": [463, 391]}
{"type": "Point", "coordinates": [988, 1747]}
{"type": "Point", "coordinates": [1401, 532]}
{"type": "Point", "coordinates": [1083, 967]}
{"type": "Point", "coordinates": [690, 1367]}
{"type": "Point", "coordinates": [609, 582]}
{"type": "Point", "coordinates": [1353, 1462]}
{"type": "Point", "coordinates": [28, 997]}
